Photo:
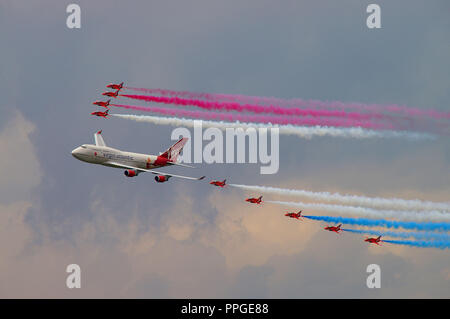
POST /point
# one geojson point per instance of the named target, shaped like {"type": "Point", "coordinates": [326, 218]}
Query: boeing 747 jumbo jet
{"type": "Point", "coordinates": [133, 163]}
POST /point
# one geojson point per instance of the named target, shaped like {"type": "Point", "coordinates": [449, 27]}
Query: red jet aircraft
{"type": "Point", "coordinates": [111, 94]}
{"type": "Point", "coordinates": [336, 229]}
{"type": "Point", "coordinates": [294, 215]}
{"type": "Point", "coordinates": [115, 86]}
{"type": "Point", "coordinates": [218, 183]}
{"type": "Point", "coordinates": [374, 240]}
{"type": "Point", "coordinates": [101, 114]}
{"type": "Point", "coordinates": [254, 200]}
{"type": "Point", "coordinates": [101, 103]}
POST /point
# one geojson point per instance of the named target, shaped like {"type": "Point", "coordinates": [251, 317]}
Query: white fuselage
{"type": "Point", "coordinates": [107, 156]}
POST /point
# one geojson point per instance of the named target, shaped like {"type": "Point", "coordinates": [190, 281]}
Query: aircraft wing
{"type": "Point", "coordinates": [152, 171]}
{"type": "Point", "coordinates": [179, 164]}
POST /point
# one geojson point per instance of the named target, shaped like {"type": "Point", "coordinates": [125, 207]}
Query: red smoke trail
{"type": "Point", "coordinates": [375, 108]}
{"type": "Point", "coordinates": [183, 94]}
{"type": "Point", "coordinates": [233, 106]}
{"type": "Point", "coordinates": [233, 117]}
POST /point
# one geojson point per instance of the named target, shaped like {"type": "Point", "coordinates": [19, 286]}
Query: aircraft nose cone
{"type": "Point", "coordinates": [75, 153]}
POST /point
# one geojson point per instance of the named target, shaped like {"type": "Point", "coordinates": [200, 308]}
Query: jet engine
{"type": "Point", "coordinates": [130, 173]}
{"type": "Point", "coordinates": [162, 178]}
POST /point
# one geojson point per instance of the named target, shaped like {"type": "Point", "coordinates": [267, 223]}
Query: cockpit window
{"type": "Point", "coordinates": [83, 146]}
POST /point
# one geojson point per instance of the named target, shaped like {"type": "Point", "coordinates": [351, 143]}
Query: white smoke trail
{"type": "Point", "coordinates": [301, 131]}
{"type": "Point", "coordinates": [352, 200]}
{"type": "Point", "coordinates": [370, 212]}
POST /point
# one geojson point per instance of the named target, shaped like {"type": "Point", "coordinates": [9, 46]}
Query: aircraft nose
{"type": "Point", "coordinates": [75, 152]}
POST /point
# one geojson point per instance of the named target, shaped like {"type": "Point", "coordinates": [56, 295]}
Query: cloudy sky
{"type": "Point", "coordinates": [135, 238]}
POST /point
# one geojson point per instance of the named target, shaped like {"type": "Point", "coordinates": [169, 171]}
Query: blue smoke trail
{"type": "Point", "coordinates": [416, 235]}
{"type": "Point", "coordinates": [443, 227]}
{"type": "Point", "coordinates": [420, 243]}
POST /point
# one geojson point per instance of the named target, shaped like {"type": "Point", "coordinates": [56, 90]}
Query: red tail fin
{"type": "Point", "coordinates": [175, 150]}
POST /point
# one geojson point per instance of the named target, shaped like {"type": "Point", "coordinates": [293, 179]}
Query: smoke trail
{"type": "Point", "coordinates": [440, 227]}
{"type": "Point", "coordinates": [233, 106]}
{"type": "Point", "coordinates": [353, 200]}
{"type": "Point", "coordinates": [300, 131]}
{"type": "Point", "coordinates": [231, 117]}
{"type": "Point", "coordinates": [416, 235]}
{"type": "Point", "coordinates": [369, 212]}
{"type": "Point", "coordinates": [424, 244]}
{"type": "Point", "coordinates": [376, 108]}
{"type": "Point", "coordinates": [183, 94]}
